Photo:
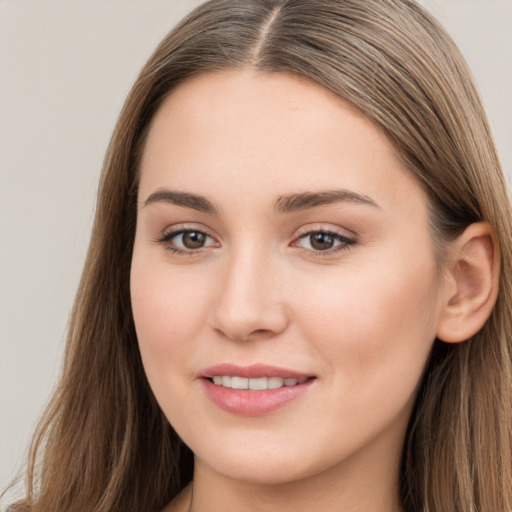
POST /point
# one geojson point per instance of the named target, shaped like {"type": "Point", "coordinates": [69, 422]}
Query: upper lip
{"type": "Point", "coordinates": [251, 371]}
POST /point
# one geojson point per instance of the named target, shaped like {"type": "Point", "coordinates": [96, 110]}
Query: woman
{"type": "Point", "coordinates": [295, 262]}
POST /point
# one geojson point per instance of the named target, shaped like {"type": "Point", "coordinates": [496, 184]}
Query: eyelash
{"type": "Point", "coordinates": [344, 242]}
{"type": "Point", "coordinates": [167, 237]}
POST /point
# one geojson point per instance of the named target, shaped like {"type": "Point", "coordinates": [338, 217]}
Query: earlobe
{"type": "Point", "coordinates": [471, 283]}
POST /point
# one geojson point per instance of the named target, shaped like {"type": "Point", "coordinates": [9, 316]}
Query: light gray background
{"type": "Point", "coordinates": [65, 68]}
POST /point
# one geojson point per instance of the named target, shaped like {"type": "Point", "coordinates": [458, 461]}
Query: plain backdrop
{"type": "Point", "coordinates": [65, 68]}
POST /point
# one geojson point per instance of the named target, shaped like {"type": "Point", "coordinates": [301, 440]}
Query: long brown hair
{"type": "Point", "coordinates": [103, 443]}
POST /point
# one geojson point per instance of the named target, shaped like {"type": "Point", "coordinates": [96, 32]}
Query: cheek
{"type": "Point", "coordinates": [169, 311]}
{"type": "Point", "coordinates": [375, 326]}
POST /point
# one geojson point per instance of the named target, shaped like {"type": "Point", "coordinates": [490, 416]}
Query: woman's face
{"type": "Point", "coordinates": [279, 237]}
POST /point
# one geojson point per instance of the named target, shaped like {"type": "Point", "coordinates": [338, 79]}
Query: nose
{"type": "Point", "coordinates": [250, 302]}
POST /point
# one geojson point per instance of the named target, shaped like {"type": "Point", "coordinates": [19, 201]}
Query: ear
{"type": "Point", "coordinates": [471, 283]}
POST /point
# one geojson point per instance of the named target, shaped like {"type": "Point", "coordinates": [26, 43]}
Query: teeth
{"type": "Point", "coordinates": [255, 384]}
{"type": "Point", "coordinates": [239, 383]}
{"type": "Point", "coordinates": [275, 382]}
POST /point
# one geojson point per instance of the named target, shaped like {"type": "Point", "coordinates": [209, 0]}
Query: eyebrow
{"type": "Point", "coordinates": [303, 201]}
{"type": "Point", "coordinates": [285, 204]}
{"type": "Point", "coordinates": [193, 201]}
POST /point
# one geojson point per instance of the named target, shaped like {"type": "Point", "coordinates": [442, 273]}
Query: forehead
{"type": "Point", "coordinates": [267, 134]}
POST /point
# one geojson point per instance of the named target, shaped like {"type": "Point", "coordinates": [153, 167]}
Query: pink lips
{"type": "Point", "coordinates": [248, 402]}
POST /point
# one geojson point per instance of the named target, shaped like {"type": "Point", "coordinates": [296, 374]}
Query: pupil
{"type": "Point", "coordinates": [193, 239]}
{"type": "Point", "coordinates": [321, 241]}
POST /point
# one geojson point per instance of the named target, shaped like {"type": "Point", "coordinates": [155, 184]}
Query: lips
{"type": "Point", "coordinates": [253, 390]}
{"type": "Point", "coordinates": [252, 371]}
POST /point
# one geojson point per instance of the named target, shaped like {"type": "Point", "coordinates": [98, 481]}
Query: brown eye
{"type": "Point", "coordinates": [187, 241]}
{"type": "Point", "coordinates": [321, 241]}
{"type": "Point", "coordinates": [324, 242]}
{"type": "Point", "coordinates": [193, 239]}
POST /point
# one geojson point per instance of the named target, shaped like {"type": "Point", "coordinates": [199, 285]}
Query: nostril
{"type": "Point", "coordinates": [239, 336]}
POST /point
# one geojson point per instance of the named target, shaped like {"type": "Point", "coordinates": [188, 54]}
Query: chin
{"type": "Point", "coordinates": [266, 460]}
{"type": "Point", "coordinates": [259, 470]}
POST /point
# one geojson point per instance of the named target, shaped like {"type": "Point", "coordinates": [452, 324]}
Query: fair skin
{"type": "Point", "coordinates": [342, 288]}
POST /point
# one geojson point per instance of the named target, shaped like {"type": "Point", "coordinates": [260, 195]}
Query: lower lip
{"type": "Point", "coordinates": [253, 403]}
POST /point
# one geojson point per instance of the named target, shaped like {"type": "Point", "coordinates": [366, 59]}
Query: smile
{"type": "Point", "coordinates": [256, 384]}
{"type": "Point", "coordinates": [254, 390]}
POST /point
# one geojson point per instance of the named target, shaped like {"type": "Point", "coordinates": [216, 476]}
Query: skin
{"type": "Point", "coordinates": [361, 318]}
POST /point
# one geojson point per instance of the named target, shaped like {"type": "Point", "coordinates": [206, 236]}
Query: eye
{"type": "Point", "coordinates": [186, 240]}
{"type": "Point", "coordinates": [190, 239]}
{"type": "Point", "coordinates": [323, 241]}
